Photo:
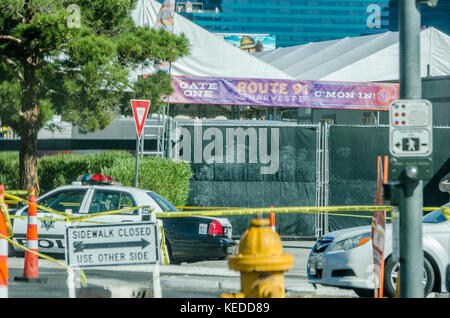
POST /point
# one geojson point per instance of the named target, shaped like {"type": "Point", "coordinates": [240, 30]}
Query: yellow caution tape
{"type": "Point", "coordinates": [54, 219]}
{"type": "Point", "coordinates": [93, 215]}
{"type": "Point", "coordinates": [18, 192]}
{"type": "Point", "coordinates": [427, 209]}
{"type": "Point", "coordinates": [6, 216]}
{"type": "Point", "coordinates": [87, 216]}
{"type": "Point", "coordinates": [446, 212]}
{"type": "Point", "coordinates": [208, 208]}
{"type": "Point", "coordinates": [218, 211]}
{"type": "Point", "coordinates": [431, 209]}
{"type": "Point", "coordinates": [11, 201]}
{"type": "Point", "coordinates": [41, 207]}
{"type": "Point", "coordinates": [299, 209]}
{"type": "Point", "coordinates": [160, 215]}
{"type": "Point", "coordinates": [83, 276]}
{"type": "Point", "coordinates": [163, 246]}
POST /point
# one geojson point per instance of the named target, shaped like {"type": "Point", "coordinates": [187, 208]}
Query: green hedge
{"type": "Point", "coordinates": [9, 169]}
{"type": "Point", "coordinates": [166, 177]}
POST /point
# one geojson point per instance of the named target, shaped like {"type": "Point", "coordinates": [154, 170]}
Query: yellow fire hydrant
{"type": "Point", "coordinates": [261, 262]}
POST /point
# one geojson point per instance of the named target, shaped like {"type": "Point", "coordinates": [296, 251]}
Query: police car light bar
{"type": "Point", "coordinates": [96, 178]}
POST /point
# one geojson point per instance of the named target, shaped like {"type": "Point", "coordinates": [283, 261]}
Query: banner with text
{"type": "Point", "coordinates": [283, 93]}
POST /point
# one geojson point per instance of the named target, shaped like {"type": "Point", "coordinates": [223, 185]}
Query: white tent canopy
{"type": "Point", "coordinates": [360, 59]}
{"type": "Point", "coordinates": [210, 55]}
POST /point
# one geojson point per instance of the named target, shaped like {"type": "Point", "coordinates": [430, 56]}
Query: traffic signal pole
{"type": "Point", "coordinates": [411, 250]}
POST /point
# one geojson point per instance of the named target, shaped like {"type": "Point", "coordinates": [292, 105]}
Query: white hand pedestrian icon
{"type": "Point", "coordinates": [411, 145]}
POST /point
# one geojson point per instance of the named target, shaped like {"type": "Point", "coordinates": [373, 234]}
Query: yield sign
{"type": "Point", "coordinates": [140, 110]}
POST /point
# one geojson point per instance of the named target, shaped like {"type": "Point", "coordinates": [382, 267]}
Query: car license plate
{"type": "Point", "coordinates": [203, 228]}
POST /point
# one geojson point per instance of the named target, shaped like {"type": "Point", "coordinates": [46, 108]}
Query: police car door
{"type": "Point", "coordinates": [106, 199]}
{"type": "Point", "coordinates": [51, 227]}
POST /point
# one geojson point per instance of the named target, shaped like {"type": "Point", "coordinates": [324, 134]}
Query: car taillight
{"type": "Point", "coordinates": [215, 228]}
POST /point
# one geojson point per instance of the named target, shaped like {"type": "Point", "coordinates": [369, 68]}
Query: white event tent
{"type": "Point", "coordinates": [210, 55]}
{"type": "Point", "coordinates": [360, 59]}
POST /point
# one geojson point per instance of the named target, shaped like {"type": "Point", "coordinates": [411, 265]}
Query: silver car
{"type": "Point", "coordinates": [344, 258]}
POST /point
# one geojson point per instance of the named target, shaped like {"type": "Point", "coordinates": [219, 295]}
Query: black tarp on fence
{"type": "Point", "coordinates": [353, 152]}
{"type": "Point", "coordinates": [290, 181]}
{"type": "Point", "coordinates": [353, 165]}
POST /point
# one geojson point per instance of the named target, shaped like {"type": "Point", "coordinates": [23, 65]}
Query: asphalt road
{"type": "Point", "coordinates": [208, 279]}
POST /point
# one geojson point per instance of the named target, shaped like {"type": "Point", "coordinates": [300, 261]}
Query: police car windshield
{"type": "Point", "coordinates": [165, 205]}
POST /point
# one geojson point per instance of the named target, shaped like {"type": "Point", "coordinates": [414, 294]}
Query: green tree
{"type": "Point", "coordinates": [74, 58]}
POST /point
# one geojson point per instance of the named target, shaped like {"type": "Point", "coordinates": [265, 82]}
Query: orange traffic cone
{"type": "Point", "coordinates": [31, 269]}
{"type": "Point", "coordinates": [3, 250]}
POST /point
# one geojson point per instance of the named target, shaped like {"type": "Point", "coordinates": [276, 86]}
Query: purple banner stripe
{"type": "Point", "coordinates": [283, 93]}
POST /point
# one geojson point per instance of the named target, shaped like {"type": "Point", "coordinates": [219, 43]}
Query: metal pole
{"type": "Point", "coordinates": [169, 137]}
{"type": "Point", "coordinates": [326, 156]}
{"type": "Point", "coordinates": [411, 250]}
{"type": "Point", "coordinates": [169, 127]}
{"type": "Point", "coordinates": [409, 25]}
{"type": "Point", "coordinates": [136, 166]}
{"type": "Point", "coordinates": [318, 225]}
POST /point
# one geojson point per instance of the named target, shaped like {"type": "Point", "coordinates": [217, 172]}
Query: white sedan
{"type": "Point", "coordinates": [344, 258]}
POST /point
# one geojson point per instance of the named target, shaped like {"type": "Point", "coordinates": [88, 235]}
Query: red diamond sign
{"type": "Point", "coordinates": [140, 110]}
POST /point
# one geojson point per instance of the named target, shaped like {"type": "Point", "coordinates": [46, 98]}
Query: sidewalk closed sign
{"type": "Point", "coordinates": [112, 244]}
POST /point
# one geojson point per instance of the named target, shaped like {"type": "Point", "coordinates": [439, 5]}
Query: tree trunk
{"type": "Point", "coordinates": [29, 127]}
{"type": "Point", "coordinates": [28, 158]}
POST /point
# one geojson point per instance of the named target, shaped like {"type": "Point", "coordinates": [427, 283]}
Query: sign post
{"type": "Point", "coordinates": [140, 110]}
{"type": "Point", "coordinates": [113, 245]}
{"type": "Point", "coordinates": [410, 143]}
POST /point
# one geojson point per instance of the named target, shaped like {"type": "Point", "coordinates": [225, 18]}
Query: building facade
{"type": "Point", "coordinates": [295, 22]}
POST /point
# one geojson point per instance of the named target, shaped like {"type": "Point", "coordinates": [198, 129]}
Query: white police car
{"type": "Point", "coordinates": [187, 238]}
